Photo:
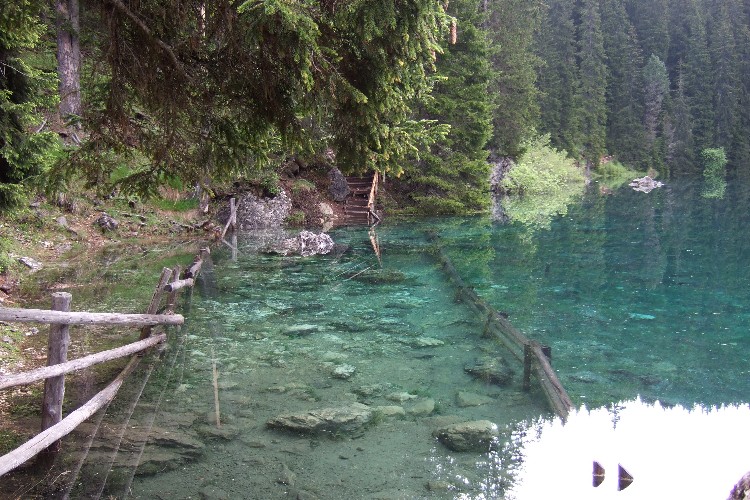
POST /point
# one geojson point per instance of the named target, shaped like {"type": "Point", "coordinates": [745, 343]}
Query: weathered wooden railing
{"type": "Point", "coordinates": [54, 427]}
{"type": "Point", "coordinates": [529, 352]}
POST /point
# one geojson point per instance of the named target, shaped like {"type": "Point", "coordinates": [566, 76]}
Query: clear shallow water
{"type": "Point", "coordinates": [637, 294]}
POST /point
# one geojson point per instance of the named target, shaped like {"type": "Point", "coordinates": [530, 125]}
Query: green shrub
{"type": "Point", "coordinates": [543, 170]}
{"type": "Point", "coordinates": [542, 184]}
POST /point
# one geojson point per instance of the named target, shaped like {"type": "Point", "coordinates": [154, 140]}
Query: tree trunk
{"type": "Point", "coordinates": [68, 57]}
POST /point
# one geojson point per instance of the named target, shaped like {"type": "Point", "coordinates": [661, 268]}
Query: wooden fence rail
{"type": "Point", "coordinates": [80, 363]}
{"type": "Point", "coordinates": [87, 318]}
{"type": "Point", "coordinates": [54, 427]}
{"type": "Point", "coordinates": [530, 353]}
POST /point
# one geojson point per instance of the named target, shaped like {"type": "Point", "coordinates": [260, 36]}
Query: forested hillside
{"type": "Point", "coordinates": [135, 95]}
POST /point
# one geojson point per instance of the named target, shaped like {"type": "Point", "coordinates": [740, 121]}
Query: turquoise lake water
{"type": "Point", "coordinates": [637, 295]}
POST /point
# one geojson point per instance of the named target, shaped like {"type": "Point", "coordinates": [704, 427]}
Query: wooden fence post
{"type": "Point", "coordinates": [527, 359]}
{"type": "Point", "coordinates": [172, 298]}
{"type": "Point", "coordinates": [166, 273]}
{"type": "Point", "coordinates": [57, 352]}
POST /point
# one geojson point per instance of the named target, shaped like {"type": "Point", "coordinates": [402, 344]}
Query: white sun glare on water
{"type": "Point", "coordinates": [696, 453]}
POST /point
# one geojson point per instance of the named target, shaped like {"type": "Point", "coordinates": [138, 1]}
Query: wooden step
{"type": "Point", "coordinates": [357, 202]}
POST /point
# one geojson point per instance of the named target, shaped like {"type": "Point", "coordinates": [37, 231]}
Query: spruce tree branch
{"type": "Point", "coordinates": [117, 4]}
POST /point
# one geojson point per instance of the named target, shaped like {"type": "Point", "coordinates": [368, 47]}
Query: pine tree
{"type": "Point", "coordinates": [511, 25]}
{"type": "Point", "coordinates": [557, 80]}
{"type": "Point", "coordinates": [591, 97]}
{"type": "Point", "coordinates": [724, 63]}
{"type": "Point", "coordinates": [681, 147]}
{"type": "Point", "coordinates": [651, 20]}
{"type": "Point", "coordinates": [23, 154]}
{"type": "Point", "coordinates": [698, 73]}
{"type": "Point", "coordinates": [625, 133]}
{"type": "Point", "coordinates": [740, 150]}
{"type": "Point", "coordinates": [656, 92]}
{"type": "Point", "coordinates": [453, 176]}
{"type": "Point", "coordinates": [214, 90]}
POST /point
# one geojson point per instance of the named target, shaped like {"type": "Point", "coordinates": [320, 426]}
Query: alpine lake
{"type": "Point", "coordinates": [339, 376]}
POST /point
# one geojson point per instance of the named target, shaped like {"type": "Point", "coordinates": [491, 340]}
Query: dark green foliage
{"type": "Point", "coordinates": [625, 134]}
{"type": "Point", "coordinates": [453, 176]}
{"type": "Point", "coordinates": [235, 90]}
{"type": "Point", "coordinates": [677, 79]}
{"type": "Point", "coordinates": [591, 97]}
{"type": "Point", "coordinates": [655, 95]}
{"type": "Point", "coordinates": [558, 77]}
{"type": "Point", "coordinates": [23, 155]}
{"type": "Point", "coordinates": [511, 25]}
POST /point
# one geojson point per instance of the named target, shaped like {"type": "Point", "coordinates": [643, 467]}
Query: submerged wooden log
{"type": "Point", "coordinates": [80, 363]}
{"type": "Point", "coordinates": [528, 352]}
{"type": "Point", "coordinates": [87, 318]}
{"type": "Point", "coordinates": [556, 395]}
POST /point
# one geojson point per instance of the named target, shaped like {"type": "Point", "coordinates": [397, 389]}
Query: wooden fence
{"type": "Point", "coordinates": [54, 427]}
{"type": "Point", "coordinates": [534, 357]}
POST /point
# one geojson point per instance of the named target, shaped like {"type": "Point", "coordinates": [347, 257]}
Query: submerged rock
{"type": "Point", "coordinates": [328, 420]}
{"type": "Point", "coordinates": [424, 407]}
{"type": "Point", "coordinates": [381, 277]}
{"type": "Point", "coordinates": [344, 372]}
{"type": "Point", "coordinates": [641, 316]}
{"type": "Point", "coordinates": [478, 435]}
{"type": "Point", "coordinates": [301, 330]}
{"type": "Point", "coordinates": [391, 411]}
{"type": "Point", "coordinates": [421, 341]}
{"type": "Point", "coordinates": [467, 399]}
{"type": "Point", "coordinates": [400, 397]}
{"type": "Point", "coordinates": [493, 370]}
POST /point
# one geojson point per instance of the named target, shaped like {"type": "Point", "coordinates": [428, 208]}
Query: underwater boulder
{"type": "Point", "coordinates": [325, 420]}
{"type": "Point", "coordinates": [478, 435]}
{"type": "Point", "coordinates": [492, 370]}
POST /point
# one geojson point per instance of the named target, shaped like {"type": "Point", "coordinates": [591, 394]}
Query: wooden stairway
{"type": "Point", "coordinates": [360, 204]}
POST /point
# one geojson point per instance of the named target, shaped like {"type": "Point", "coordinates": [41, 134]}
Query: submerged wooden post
{"type": "Point", "coordinates": [547, 351]}
{"type": "Point", "coordinates": [57, 352]}
{"type": "Point", "coordinates": [528, 356]}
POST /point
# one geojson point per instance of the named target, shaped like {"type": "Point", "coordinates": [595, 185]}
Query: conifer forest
{"type": "Point", "coordinates": [137, 94]}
